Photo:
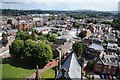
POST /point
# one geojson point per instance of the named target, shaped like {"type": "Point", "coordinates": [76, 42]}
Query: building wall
{"type": "Point", "coordinates": [106, 69]}
{"type": "Point", "coordinates": [118, 72]}
{"type": "Point", "coordinates": [98, 68]}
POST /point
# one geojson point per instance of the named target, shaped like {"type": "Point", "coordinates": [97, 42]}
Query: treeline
{"type": "Point", "coordinates": [74, 14]}
{"type": "Point", "coordinates": [92, 14]}
{"type": "Point", "coordinates": [116, 22]}
{"type": "Point", "coordinates": [14, 12]}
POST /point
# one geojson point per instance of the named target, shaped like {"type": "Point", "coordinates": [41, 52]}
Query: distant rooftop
{"type": "Point", "coordinates": [41, 28]}
{"type": "Point", "coordinates": [96, 47]}
{"type": "Point", "coordinates": [110, 60]}
{"type": "Point", "coordinates": [12, 30]}
{"type": "Point", "coordinates": [65, 37]}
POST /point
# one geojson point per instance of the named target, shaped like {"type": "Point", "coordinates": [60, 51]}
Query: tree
{"type": "Point", "coordinates": [42, 38]}
{"type": "Point", "coordinates": [37, 53]}
{"type": "Point", "coordinates": [90, 65]}
{"type": "Point", "coordinates": [76, 25]}
{"type": "Point", "coordinates": [43, 54]}
{"type": "Point", "coordinates": [9, 21]}
{"type": "Point", "coordinates": [78, 48]}
{"type": "Point", "coordinates": [34, 36]}
{"type": "Point", "coordinates": [52, 37]}
{"type": "Point", "coordinates": [16, 48]}
{"type": "Point", "coordinates": [4, 39]}
{"type": "Point", "coordinates": [116, 23]}
{"type": "Point", "coordinates": [29, 49]}
{"type": "Point", "coordinates": [23, 36]}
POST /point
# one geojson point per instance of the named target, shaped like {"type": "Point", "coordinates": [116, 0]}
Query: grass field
{"type": "Point", "coordinates": [12, 69]}
{"type": "Point", "coordinates": [9, 71]}
{"type": "Point", "coordinates": [50, 73]}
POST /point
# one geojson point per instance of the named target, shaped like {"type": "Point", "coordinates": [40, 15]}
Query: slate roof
{"type": "Point", "coordinates": [72, 66]}
{"type": "Point", "coordinates": [108, 60]}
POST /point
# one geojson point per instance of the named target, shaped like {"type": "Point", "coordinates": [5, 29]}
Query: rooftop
{"type": "Point", "coordinates": [96, 47]}
{"type": "Point", "coordinates": [12, 30]}
{"type": "Point", "coordinates": [65, 37]}
{"type": "Point", "coordinates": [41, 28]}
{"type": "Point", "coordinates": [72, 66]}
{"type": "Point", "coordinates": [110, 60]}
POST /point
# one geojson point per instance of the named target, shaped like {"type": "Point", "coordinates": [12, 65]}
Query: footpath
{"type": "Point", "coordinates": [48, 66]}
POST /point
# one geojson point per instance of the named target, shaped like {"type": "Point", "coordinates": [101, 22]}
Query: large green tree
{"type": "Point", "coordinates": [78, 48]}
{"type": "Point", "coordinates": [16, 48]}
{"type": "Point", "coordinates": [43, 54]}
{"type": "Point", "coordinates": [23, 36]}
{"type": "Point", "coordinates": [29, 49]}
{"type": "Point", "coordinates": [37, 53]}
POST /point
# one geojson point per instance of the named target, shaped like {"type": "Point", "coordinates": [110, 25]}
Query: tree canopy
{"type": "Point", "coordinates": [23, 36]}
{"type": "Point", "coordinates": [76, 25]}
{"type": "Point", "coordinates": [9, 21]}
{"type": "Point", "coordinates": [37, 53]}
{"type": "Point", "coordinates": [42, 38]}
{"type": "Point", "coordinates": [116, 23]}
{"type": "Point", "coordinates": [51, 37]}
{"type": "Point", "coordinates": [4, 39]}
{"type": "Point", "coordinates": [16, 48]}
{"type": "Point", "coordinates": [78, 48]}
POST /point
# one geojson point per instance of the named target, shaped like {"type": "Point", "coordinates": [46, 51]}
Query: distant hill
{"type": "Point", "coordinates": [84, 10]}
{"type": "Point", "coordinates": [81, 12]}
{"type": "Point", "coordinates": [114, 12]}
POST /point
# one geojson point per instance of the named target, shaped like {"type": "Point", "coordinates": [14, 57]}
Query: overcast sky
{"type": "Point", "coordinates": [100, 5]}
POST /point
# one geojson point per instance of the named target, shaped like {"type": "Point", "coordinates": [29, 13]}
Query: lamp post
{"type": "Point", "coordinates": [37, 74]}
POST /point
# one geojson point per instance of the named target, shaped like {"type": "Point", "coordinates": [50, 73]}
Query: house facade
{"type": "Point", "coordinates": [107, 65]}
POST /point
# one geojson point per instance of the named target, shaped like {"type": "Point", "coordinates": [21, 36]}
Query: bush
{"type": "Point", "coordinates": [90, 65]}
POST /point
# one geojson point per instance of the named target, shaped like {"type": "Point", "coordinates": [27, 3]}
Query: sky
{"type": "Point", "coordinates": [100, 5]}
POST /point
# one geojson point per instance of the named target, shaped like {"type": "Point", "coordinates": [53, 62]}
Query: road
{"type": "Point", "coordinates": [5, 50]}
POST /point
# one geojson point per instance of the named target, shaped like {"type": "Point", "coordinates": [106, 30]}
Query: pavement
{"type": "Point", "coordinates": [3, 54]}
{"type": "Point", "coordinates": [4, 51]}
{"type": "Point", "coordinates": [48, 66]}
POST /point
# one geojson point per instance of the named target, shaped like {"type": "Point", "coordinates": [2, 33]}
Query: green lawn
{"type": "Point", "coordinates": [9, 71]}
{"type": "Point", "coordinates": [50, 73]}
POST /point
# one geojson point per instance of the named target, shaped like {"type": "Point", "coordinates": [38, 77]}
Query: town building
{"type": "Point", "coordinates": [12, 32]}
{"type": "Point", "coordinates": [43, 30]}
{"type": "Point", "coordinates": [94, 51]}
{"type": "Point", "coordinates": [108, 64]}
